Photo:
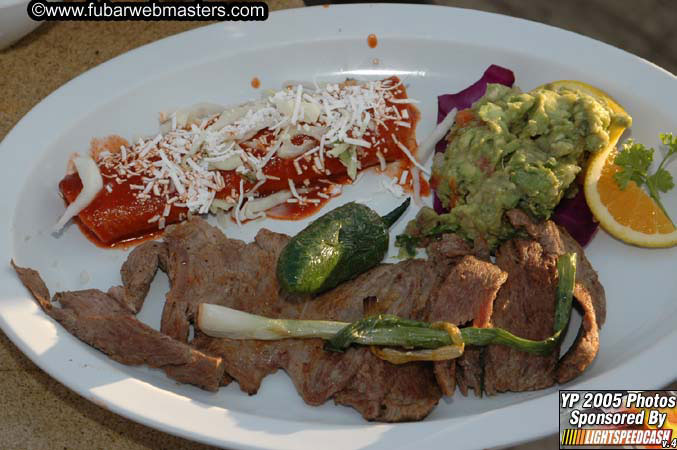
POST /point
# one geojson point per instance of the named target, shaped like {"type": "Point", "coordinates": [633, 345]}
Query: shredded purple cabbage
{"type": "Point", "coordinates": [465, 98]}
{"type": "Point", "coordinates": [572, 214]}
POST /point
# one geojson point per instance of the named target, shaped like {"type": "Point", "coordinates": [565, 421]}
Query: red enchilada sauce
{"type": "Point", "coordinates": [116, 215]}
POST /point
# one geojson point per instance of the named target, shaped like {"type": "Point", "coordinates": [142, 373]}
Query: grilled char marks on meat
{"type": "Point", "coordinates": [99, 320]}
{"type": "Point", "coordinates": [588, 293]}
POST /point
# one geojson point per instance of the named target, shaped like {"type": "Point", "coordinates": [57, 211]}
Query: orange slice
{"type": "Point", "coordinates": [630, 214]}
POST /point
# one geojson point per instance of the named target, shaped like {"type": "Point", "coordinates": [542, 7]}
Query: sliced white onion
{"type": "Point", "coordinates": [190, 114]}
{"type": "Point", "coordinates": [223, 322]}
{"type": "Point", "coordinates": [288, 150]}
{"type": "Point", "coordinates": [425, 150]}
{"type": "Point", "coordinates": [220, 205]}
{"type": "Point", "coordinates": [316, 132]}
{"type": "Point", "coordinates": [235, 113]}
{"type": "Point", "coordinates": [230, 163]}
{"type": "Point", "coordinates": [267, 117]}
{"type": "Point", "coordinates": [313, 131]}
{"type": "Point", "coordinates": [284, 106]}
{"type": "Point", "coordinates": [197, 143]}
{"type": "Point", "coordinates": [199, 111]}
{"type": "Point", "coordinates": [253, 208]}
{"type": "Point", "coordinates": [416, 183]}
{"type": "Point", "coordinates": [92, 183]}
{"type": "Point", "coordinates": [307, 85]}
{"type": "Point", "coordinates": [311, 111]}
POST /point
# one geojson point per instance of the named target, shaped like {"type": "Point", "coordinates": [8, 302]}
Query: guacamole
{"type": "Point", "coordinates": [513, 149]}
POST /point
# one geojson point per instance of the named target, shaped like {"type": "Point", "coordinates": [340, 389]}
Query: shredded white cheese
{"type": "Point", "coordinates": [181, 165]}
{"type": "Point", "coordinates": [292, 188]}
{"type": "Point", "coordinates": [417, 185]}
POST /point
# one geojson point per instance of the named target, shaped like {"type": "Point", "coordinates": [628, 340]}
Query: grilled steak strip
{"type": "Point", "coordinates": [470, 370]}
{"type": "Point", "coordinates": [99, 320]}
{"type": "Point", "coordinates": [588, 293]}
{"type": "Point", "coordinates": [465, 296]}
{"type": "Point", "coordinates": [467, 293]}
{"type": "Point", "coordinates": [380, 390]}
{"type": "Point", "coordinates": [466, 371]}
{"type": "Point", "coordinates": [525, 306]}
{"type": "Point", "coordinates": [388, 393]}
{"type": "Point", "coordinates": [33, 282]}
{"type": "Point", "coordinates": [138, 272]}
{"type": "Point", "coordinates": [205, 266]}
{"type": "Point", "coordinates": [584, 349]}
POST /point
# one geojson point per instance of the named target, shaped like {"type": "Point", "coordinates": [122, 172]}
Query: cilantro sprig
{"type": "Point", "coordinates": [635, 160]}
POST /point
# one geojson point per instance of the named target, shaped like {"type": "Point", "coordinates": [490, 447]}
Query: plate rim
{"type": "Point", "coordinates": [422, 431]}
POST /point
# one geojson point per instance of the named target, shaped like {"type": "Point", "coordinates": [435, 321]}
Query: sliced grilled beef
{"type": "Point", "coordinates": [137, 273]}
{"type": "Point", "coordinates": [466, 371]}
{"type": "Point", "coordinates": [457, 284]}
{"type": "Point", "coordinates": [588, 293]}
{"type": "Point", "coordinates": [470, 370]}
{"type": "Point", "coordinates": [206, 267]}
{"type": "Point", "coordinates": [526, 303]}
{"type": "Point", "coordinates": [388, 393]}
{"type": "Point", "coordinates": [99, 320]}
{"type": "Point", "coordinates": [448, 247]}
{"type": "Point", "coordinates": [525, 306]}
{"type": "Point", "coordinates": [466, 295]}
{"type": "Point", "coordinates": [401, 289]}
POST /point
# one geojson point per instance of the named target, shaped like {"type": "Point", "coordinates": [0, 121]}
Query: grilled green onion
{"type": "Point", "coordinates": [434, 341]}
{"type": "Point", "coordinates": [223, 322]}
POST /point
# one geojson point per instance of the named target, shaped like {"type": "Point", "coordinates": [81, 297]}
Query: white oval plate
{"type": "Point", "coordinates": [435, 50]}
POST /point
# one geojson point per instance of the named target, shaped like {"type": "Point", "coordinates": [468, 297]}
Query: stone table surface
{"type": "Point", "coordinates": [37, 412]}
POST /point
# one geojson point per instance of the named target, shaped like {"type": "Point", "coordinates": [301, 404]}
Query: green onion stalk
{"type": "Point", "coordinates": [420, 341]}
